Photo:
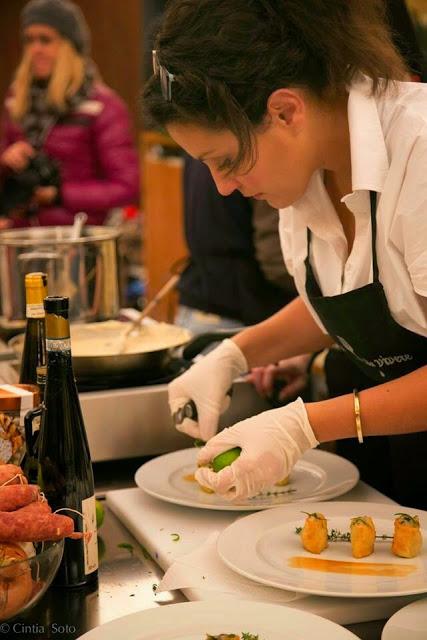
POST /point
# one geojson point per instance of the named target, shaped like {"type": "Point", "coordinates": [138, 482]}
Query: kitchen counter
{"type": "Point", "coordinates": [126, 577]}
{"type": "Point", "coordinates": [127, 574]}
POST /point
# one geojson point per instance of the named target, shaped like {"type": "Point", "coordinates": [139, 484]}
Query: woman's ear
{"type": "Point", "coordinates": [286, 107]}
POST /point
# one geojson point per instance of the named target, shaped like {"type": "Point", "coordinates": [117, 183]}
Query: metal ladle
{"type": "Point", "coordinates": [136, 326]}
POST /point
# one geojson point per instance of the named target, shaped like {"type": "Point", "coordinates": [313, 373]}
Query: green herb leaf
{"type": "Point", "coordinates": [338, 536]}
{"type": "Point", "coordinates": [175, 537]}
{"type": "Point", "coordinates": [127, 546]}
{"type": "Point", "coordinates": [407, 518]}
{"type": "Point", "coordinates": [145, 553]}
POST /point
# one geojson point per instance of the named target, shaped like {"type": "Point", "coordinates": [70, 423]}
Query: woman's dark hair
{"type": "Point", "coordinates": [228, 56]}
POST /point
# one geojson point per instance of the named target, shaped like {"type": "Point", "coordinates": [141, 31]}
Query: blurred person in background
{"type": "Point", "coordinates": [236, 275]}
{"type": "Point", "coordinates": [66, 142]}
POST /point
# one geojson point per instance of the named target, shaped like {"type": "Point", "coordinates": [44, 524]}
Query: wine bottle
{"type": "Point", "coordinates": [34, 353]}
{"type": "Point", "coordinates": [64, 466]}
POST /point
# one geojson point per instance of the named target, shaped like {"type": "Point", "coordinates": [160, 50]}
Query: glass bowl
{"type": "Point", "coordinates": [24, 581]}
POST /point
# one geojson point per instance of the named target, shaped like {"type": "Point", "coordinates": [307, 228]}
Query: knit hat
{"type": "Point", "coordinates": [62, 15]}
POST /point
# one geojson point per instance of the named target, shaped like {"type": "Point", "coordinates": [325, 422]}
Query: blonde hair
{"type": "Point", "coordinates": [66, 79]}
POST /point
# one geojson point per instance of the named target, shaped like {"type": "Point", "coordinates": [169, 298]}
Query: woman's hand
{"type": "Point", "coordinates": [17, 156]}
{"type": "Point", "coordinates": [5, 223]}
{"type": "Point", "coordinates": [271, 443]}
{"type": "Point", "coordinates": [293, 372]}
{"type": "Point", "coordinates": [207, 383]}
{"type": "Point", "coordinates": [44, 196]}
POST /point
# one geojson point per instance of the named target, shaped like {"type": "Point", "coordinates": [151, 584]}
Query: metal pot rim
{"type": "Point", "coordinates": [47, 235]}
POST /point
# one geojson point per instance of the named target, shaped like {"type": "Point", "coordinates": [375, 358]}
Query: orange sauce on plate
{"type": "Point", "coordinates": [388, 569]}
{"type": "Point", "coordinates": [190, 477]}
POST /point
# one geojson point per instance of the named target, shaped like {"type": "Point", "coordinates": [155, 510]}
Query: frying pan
{"type": "Point", "coordinates": [149, 364]}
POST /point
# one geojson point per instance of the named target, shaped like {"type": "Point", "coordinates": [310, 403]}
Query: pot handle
{"type": "Point", "coordinates": [31, 436]}
{"type": "Point", "coordinates": [203, 340]}
{"type": "Point", "coordinates": [39, 255]}
{"type": "Point", "coordinates": [30, 462]}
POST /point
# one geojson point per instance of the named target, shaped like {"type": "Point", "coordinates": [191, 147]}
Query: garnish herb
{"type": "Point", "coordinates": [338, 536]}
{"type": "Point", "coordinates": [407, 518]}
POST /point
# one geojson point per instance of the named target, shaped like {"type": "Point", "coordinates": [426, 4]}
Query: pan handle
{"type": "Point", "coordinates": [203, 340]}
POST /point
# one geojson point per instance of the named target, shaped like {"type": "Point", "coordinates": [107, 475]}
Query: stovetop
{"type": "Point", "coordinates": [143, 378]}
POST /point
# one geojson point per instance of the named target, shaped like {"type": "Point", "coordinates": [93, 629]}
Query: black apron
{"type": "Point", "coordinates": [374, 348]}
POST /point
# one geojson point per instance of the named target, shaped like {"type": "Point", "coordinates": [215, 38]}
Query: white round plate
{"type": "Point", "coordinates": [193, 620]}
{"type": "Point", "coordinates": [409, 623]}
{"type": "Point", "coordinates": [319, 475]}
{"type": "Point", "coordinates": [271, 546]}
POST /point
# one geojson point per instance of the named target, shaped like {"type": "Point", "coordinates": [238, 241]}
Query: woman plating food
{"type": "Point", "coordinates": [305, 105]}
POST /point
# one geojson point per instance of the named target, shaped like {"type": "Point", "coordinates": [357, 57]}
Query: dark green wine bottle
{"type": "Point", "coordinates": [34, 353]}
{"type": "Point", "coordinates": [64, 466]}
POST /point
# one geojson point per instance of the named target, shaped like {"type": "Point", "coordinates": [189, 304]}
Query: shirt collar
{"type": "Point", "coordinates": [369, 157]}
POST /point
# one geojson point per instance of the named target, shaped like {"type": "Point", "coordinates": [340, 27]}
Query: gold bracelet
{"type": "Point", "coordinates": [357, 416]}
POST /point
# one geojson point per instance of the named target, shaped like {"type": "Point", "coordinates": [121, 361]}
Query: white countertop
{"type": "Point", "coordinates": [152, 522]}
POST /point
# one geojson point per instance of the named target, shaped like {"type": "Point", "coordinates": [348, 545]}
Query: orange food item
{"type": "Point", "coordinates": [14, 496]}
{"type": "Point", "coordinates": [362, 536]}
{"type": "Point", "coordinates": [314, 534]}
{"type": "Point", "coordinates": [407, 539]}
{"type": "Point", "coordinates": [282, 483]}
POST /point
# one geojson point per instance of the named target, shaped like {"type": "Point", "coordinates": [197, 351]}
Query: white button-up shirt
{"type": "Point", "coordinates": [388, 138]}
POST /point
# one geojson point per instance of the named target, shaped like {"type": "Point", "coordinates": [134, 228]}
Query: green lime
{"type": "Point", "coordinates": [100, 513]}
{"type": "Point", "coordinates": [225, 458]}
{"type": "Point", "coordinates": [101, 548]}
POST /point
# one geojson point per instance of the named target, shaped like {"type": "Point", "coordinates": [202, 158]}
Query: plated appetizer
{"type": "Point", "coordinates": [407, 539]}
{"type": "Point", "coordinates": [314, 534]}
{"type": "Point", "coordinates": [362, 536]}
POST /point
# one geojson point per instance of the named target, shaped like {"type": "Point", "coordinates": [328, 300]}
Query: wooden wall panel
{"type": "Point", "coordinates": [164, 241]}
{"type": "Point", "coordinates": [10, 41]}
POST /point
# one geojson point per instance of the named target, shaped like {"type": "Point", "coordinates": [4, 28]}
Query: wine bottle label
{"type": "Point", "coordinates": [63, 344]}
{"type": "Point", "coordinates": [90, 540]}
{"type": "Point", "coordinates": [35, 310]}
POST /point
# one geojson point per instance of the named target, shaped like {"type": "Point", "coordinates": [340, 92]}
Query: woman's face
{"type": "Point", "coordinates": [42, 44]}
{"type": "Point", "coordinates": [284, 164]}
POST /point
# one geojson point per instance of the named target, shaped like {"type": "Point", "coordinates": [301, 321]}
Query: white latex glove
{"type": "Point", "coordinates": [271, 443]}
{"type": "Point", "coordinates": [207, 383]}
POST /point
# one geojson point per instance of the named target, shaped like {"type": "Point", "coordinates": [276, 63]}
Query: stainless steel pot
{"type": "Point", "coordinates": [85, 269]}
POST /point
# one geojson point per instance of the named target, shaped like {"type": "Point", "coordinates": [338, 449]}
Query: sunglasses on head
{"type": "Point", "coordinates": [166, 78]}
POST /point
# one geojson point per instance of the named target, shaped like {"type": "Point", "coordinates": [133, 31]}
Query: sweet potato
{"type": "Point", "coordinates": [14, 496]}
{"type": "Point", "coordinates": [21, 526]}
{"type": "Point", "coordinates": [35, 508]}
{"type": "Point", "coordinates": [11, 474]}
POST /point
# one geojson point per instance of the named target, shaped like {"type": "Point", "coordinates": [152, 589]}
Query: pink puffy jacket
{"type": "Point", "coordinates": [97, 158]}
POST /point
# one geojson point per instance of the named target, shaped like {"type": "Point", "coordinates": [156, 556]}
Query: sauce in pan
{"type": "Point", "coordinates": [387, 569]}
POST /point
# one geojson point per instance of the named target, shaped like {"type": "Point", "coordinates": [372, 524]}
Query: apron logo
{"type": "Point", "coordinates": [376, 362]}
